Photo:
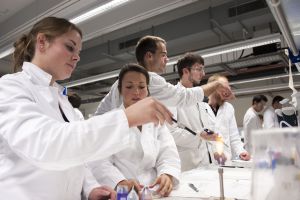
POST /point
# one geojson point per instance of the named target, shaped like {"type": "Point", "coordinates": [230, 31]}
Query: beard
{"type": "Point", "coordinates": [194, 82]}
{"type": "Point", "coordinates": [220, 101]}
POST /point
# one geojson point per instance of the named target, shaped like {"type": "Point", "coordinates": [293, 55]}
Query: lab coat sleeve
{"type": "Point", "coordinates": [268, 119]}
{"type": "Point", "coordinates": [106, 172]}
{"type": "Point", "coordinates": [249, 124]}
{"type": "Point", "coordinates": [171, 95]}
{"type": "Point", "coordinates": [89, 183]}
{"type": "Point", "coordinates": [51, 144]}
{"type": "Point", "coordinates": [235, 139]}
{"type": "Point", "coordinates": [111, 101]}
{"type": "Point", "coordinates": [168, 161]}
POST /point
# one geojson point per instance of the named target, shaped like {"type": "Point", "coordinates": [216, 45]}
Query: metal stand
{"type": "Point", "coordinates": [220, 170]}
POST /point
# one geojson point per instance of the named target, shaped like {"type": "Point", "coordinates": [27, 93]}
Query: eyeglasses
{"type": "Point", "coordinates": [199, 69]}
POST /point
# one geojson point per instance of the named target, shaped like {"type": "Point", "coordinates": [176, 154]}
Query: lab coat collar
{"type": "Point", "coordinates": [147, 135]}
{"type": "Point", "coordinates": [153, 74]}
{"type": "Point", "coordinates": [39, 76]}
{"type": "Point", "coordinates": [180, 84]}
{"type": "Point", "coordinates": [254, 111]}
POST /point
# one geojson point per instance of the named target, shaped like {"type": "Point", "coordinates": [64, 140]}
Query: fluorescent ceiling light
{"type": "Point", "coordinates": [296, 33]}
{"type": "Point", "coordinates": [232, 47]}
{"type": "Point", "coordinates": [238, 46]}
{"type": "Point", "coordinates": [262, 79]}
{"type": "Point", "coordinates": [172, 61]}
{"type": "Point", "coordinates": [85, 16]}
{"type": "Point", "coordinates": [7, 52]}
{"type": "Point", "coordinates": [263, 89]}
{"type": "Point", "coordinates": [97, 11]}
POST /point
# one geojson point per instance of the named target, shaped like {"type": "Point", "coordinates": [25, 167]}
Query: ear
{"type": "Point", "coordinates": [148, 55]}
{"type": "Point", "coordinates": [41, 42]}
{"type": "Point", "coordinates": [185, 70]}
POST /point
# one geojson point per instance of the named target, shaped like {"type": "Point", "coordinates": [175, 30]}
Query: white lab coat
{"type": "Point", "coordinates": [153, 153]}
{"type": "Point", "coordinates": [251, 122]}
{"type": "Point", "coordinates": [270, 118]}
{"type": "Point", "coordinates": [192, 149]}
{"type": "Point", "coordinates": [163, 91]}
{"type": "Point", "coordinates": [41, 155]}
{"type": "Point", "coordinates": [225, 124]}
{"type": "Point", "coordinates": [79, 114]}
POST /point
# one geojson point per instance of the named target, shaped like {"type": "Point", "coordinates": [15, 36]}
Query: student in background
{"type": "Point", "coordinates": [75, 101]}
{"type": "Point", "coordinates": [221, 119]}
{"type": "Point", "coordinates": [193, 150]}
{"type": "Point", "coordinates": [151, 53]}
{"type": "Point", "coordinates": [43, 145]}
{"type": "Point", "coordinates": [270, 117]}
{"type": "Point", "coordinates": [153, 158]}
{"type": "Point", "coordinates": [251, 119]}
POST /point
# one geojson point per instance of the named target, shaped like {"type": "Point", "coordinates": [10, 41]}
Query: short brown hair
{"type": "Point", "coordinates": [145, 44]}
{"type": "Point", "coordinates": [188, 61]}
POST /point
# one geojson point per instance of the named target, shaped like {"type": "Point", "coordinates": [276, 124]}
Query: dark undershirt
{"type": "Point", "coordinates": [215, 111]}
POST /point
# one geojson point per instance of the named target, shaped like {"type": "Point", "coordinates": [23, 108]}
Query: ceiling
{"type": "Point", "coordinates": [186, 25]}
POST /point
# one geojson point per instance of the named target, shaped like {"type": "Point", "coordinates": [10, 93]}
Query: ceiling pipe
{"type": "Point", "coordinates": [277, 11]}
{"type": "Point", "coordinates": [261, 90]}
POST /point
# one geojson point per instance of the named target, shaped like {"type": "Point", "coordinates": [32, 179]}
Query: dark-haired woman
{"type": "Point", "coordinates": [152, 160]}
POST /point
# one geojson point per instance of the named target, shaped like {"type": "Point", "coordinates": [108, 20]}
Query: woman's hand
{"type": "Point", "coordinates": [165, 183]}
{"type": "Point", "coordinates": [102, 193]}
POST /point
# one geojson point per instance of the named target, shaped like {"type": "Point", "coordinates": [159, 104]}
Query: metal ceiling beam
{"type": "Point", "coordinates": [114, 58]}
{"type": "Point", "coordinates": [231, 71]}
{"type": "Point", "coordinates": [219, 27]}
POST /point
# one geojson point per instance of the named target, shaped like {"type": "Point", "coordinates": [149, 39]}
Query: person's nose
{"type": "Point", "coordinates": [76, 57]}
{"type": "Point", "coordinates": [167, 59]}
{"type": "Point", "coordinates": [137, 91]}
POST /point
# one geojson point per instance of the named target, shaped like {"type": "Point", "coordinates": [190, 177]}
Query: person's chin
{"type": "Point", "coordinates": [162, 70]}
{"type": "Point", "coordinates": [65, 76]}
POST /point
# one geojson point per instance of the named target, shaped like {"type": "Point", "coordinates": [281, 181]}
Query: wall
{"type": "Point", "coordinates": [241, 104]}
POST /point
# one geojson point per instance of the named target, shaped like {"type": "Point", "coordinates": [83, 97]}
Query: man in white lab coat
{"type": "Point", "coordinates": [270, 117]}
{"type": "Point", "coordinates": [151, 53]}
{"type": "Point", "coordinates": [251, 119]}
{"type": "Point", "coordinates": [193, 150]}
{"type": "Point", "coordinates": [221, 119]}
